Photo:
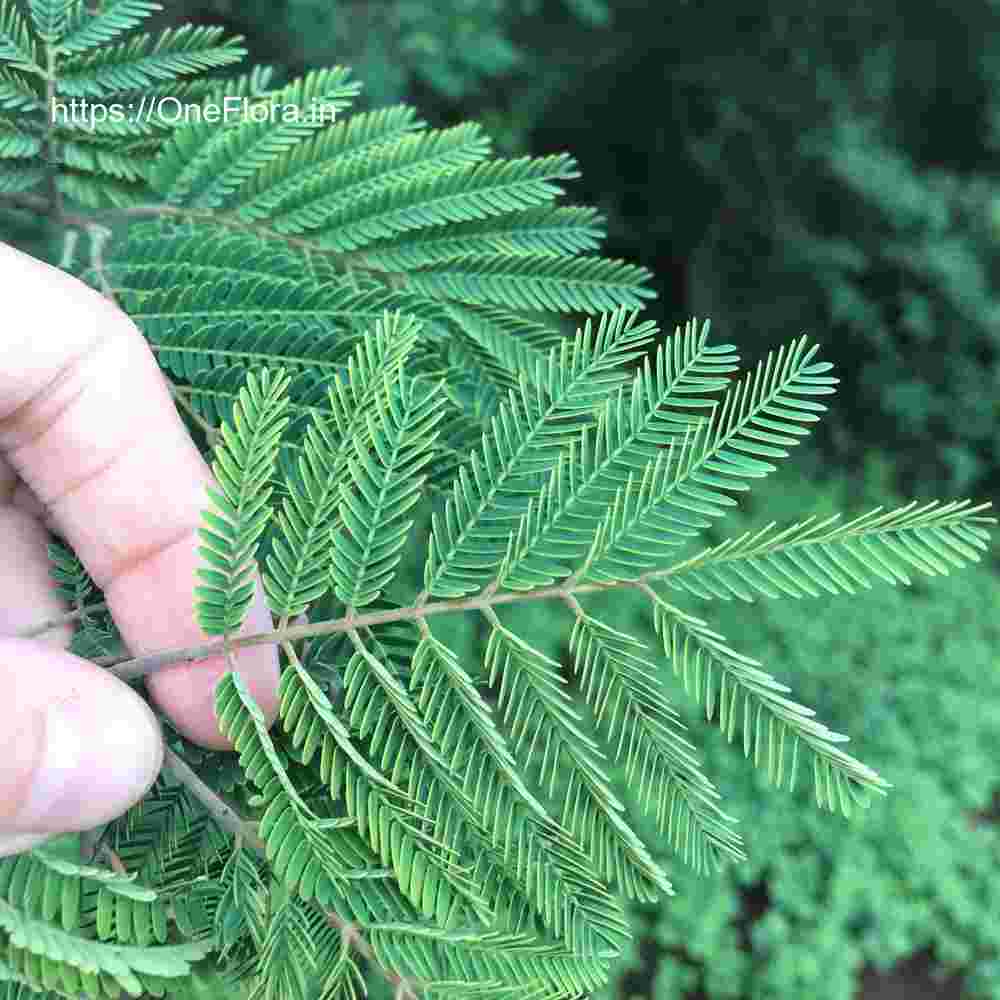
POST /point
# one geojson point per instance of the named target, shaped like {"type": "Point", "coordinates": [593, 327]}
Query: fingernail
{"type": "Point", "coordinates": [92, 768]}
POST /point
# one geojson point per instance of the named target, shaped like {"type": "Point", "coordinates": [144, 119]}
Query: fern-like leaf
{"type": "Point", "coordinates": [527, 438]}
{"type": "Point", "coordinates": [536, 281]}
{"type": "Point", "coordinates": [143, 62]}
{"type": "Point", "coordinates": [627, 697]}
{"type": "Point", "coordinates": [384, 484]}
{"type": "Point", "coordinates": [48, 17]}
{"type": "Point", "coordinates": [494, 187]}
{"type": "Point", "coordinates": [50, 958]}
{"type": "Point", "coordinates": [220, 160]}
{"type": "Point", "coordinates": [299, 565]}
{"type": "Point", "coordinates": [17, 44]}
{"type": "Point", "coordinates": [555, 231]}
{"type": "Point", "coordinates": [555, 873]}
{"type": "Point", "coordinates": [330, 197]}
{"type": "Point", "coordinates": [546, 722]}
{"type": "Point", "coordinates": [313, 856]}
{"type": "Point", "coordinates": [561, 525]}
{"type": "Point", "coordinates": [115, 19]}
{"type": "Point", "coordinates": [759, 417]}
{"type": "Point", "coordinates": [503, 965]}
{"type": "Point", "coordinates": [723, 679]}
{"type": "Point", "coordinates": [241, 510]}
{"type": "Point", "coordinates": [811, 557]}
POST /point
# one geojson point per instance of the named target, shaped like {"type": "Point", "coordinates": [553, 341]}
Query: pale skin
{"type": "Point", "coordinates": [92, 446]}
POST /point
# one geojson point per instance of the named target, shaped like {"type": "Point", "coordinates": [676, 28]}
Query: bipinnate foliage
{"type": "Point", "coordinates": [358, 318]}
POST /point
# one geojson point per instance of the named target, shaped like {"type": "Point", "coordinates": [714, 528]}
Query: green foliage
{"type": "Point", "coordinates": [72, 927]}
{"type": "Point", "coordinates": [64, 55]}
{"type": "Point", "coordinates": [363, 322]}
{"type": "Point", "coordinates": [818, 900]}
{"type": "Point", "coordinates": [241, 510]}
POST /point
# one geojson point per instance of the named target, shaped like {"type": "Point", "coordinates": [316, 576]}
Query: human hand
{"type": "Point", "coordinates": [90, 443]}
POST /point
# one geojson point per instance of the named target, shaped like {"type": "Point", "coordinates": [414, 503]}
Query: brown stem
{"type": "Point", "coordinates": [54, 204]}
{"type": "Point", "coordinates": [51, 623]}
{"type": "Point", "coordinates": [99, 235]}
{"type": "Point", "coordinates": [405, 988]}
{"type": "Point", "coordinates": [211, 432]}
{"type": "Point", "coordinates": [36, 203]}
{"type": "Point", "coordinates": [223, 814]}
{"type": "Point", "coordinates": [132, 669]}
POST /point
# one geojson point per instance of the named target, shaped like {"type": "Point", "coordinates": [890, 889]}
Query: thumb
{"type": "Point", "coordinates": [77, 746]}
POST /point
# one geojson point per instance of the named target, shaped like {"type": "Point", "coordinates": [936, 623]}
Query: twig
{"type": "Point", "coordinates": [133, 668]}
{"type": "Point", "coordinates": [60, 620]}
{"type": "Point", "coordinates": [99, 235]}
{"type": "Point", "coordinates": [211, 431]}
{"type": "Point", "coordinates": [36, 203]}
{"type": "Point", "coordinates": [105, 851]}
{"type": "Point", "coordinates": [224, 815]}
{"type": "Point", "coordinates": [142, 666]}
{"type": "Point", "coordinates": [89, 839]}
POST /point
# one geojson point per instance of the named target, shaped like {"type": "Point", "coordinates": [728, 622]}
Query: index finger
{"type": "Point", "coordinates": [87, 421]}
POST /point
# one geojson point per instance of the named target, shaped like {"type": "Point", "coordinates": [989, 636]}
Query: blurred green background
{"type": "Point", "coordinates": [819, 167]}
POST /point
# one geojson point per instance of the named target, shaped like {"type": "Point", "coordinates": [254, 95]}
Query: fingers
{"type": "Point", "coordinates": [77, 747]}
{"type": "Point", "coordinates": [87, 422]}
{"type": "Point", "coordinates": [27, 591]}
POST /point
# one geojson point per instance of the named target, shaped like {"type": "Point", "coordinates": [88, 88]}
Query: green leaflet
{"type": "Point", "coordinates": [535, 281]}
{"type": "Point", "coordinates": [383, 485]}
{"type": "Point", "coordinates": [115, 19]}
{"type": "Point", "coordinates": [566, 518]}
{"type": "Point", "coordinates": [353, 184]}
{"type": "Point", "coordinates": [212, 162]}
{"type": "Point", "coordinates": [811, 557]}
{"type": "Point", "coordinates": [241, 511]}
{"type": "Point", "coordinates": [144, 62]}
{"type": "Point", "coordinates": [701, 656]}
{"type": "Point", "coordinates": [48, 17]}
{"type": "Point", "coordinates": [547, 728]}
{"type": "Point", "coordinates": [554, 872]}
{"type": "Point", "coordinates": [628, 698]}
{"type": "Point", "coordinates": [302, 564]}
{"type": "Point", "coordinates": [380, 709]}
{"type": "Point", "coordinates": [17, 44]}
{"type": "Point", "coordinates": [533, 968]}
{"type": "Point", "coordinates": [555, 231]}
{"type": "Point", "coordinates": [120, 885]}
{"type": "Point", "coordinates": [360, 140]}
{"type": "Point", "coordinates": [103, 156]}
{"type": "Point", "coordinates": [53, 887]}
